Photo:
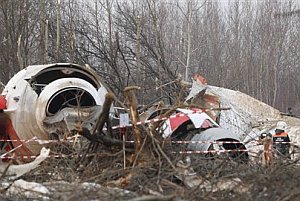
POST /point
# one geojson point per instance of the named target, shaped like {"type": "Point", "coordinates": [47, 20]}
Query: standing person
{"type": "Point", "coordinates": [281, 140]}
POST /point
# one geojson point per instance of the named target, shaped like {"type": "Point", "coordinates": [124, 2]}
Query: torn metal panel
{"type": "Point", "coordinates": [16, 171]}
{"type": "Point", "coordinates": [211, 135]}
{"type": "Point", "coordinates": [190, 121]}
{"type": "Point", "coordinates": [68, 119]}
{"type": "Point", "coordinates": [200, 96]}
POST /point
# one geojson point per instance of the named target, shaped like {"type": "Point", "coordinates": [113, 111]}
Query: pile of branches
{"type": "Point", "coordinates": [150, 169]}
{"type": "Point", "coordinates": [158, 180]}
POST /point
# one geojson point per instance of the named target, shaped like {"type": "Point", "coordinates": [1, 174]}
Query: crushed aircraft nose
{"type": "Point", "coordinates": [52, 98]}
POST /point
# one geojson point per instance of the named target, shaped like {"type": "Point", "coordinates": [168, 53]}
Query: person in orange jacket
{"type": "Point", "coordinates": [281, 140]}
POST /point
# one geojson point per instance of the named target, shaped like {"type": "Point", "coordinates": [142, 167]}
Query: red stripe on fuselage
{"type": "Point", "coordinates": [8, 132]}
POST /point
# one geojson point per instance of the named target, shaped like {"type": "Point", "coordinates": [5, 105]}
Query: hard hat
{"type": "Point", "coordinates": [281, 125]}
{"type": "Point", "coordinates": [263, 135]}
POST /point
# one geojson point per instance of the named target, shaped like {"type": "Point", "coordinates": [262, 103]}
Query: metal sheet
{"type": "Point", "coordinates": [210, 135]}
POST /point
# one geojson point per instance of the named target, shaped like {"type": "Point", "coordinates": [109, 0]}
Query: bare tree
{"type": "Point", "coordinates": [18, 35]}
{"type": "Point", "coordinates": [251, 47]}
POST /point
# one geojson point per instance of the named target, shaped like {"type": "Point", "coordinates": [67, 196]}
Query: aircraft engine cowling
{"type": "Point", "coordinates": [48, 101]}
{"type": "Point", "coordinates": [72, 93]}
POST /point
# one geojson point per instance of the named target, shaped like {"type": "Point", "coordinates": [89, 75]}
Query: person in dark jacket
{"type": "Point", "coordinates": [281, 140]}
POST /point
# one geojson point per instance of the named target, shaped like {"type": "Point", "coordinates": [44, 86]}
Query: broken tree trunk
{"type": "Point", "coordinates": [103, 139]}
{"type": "Point", "coordinates": [267, 157]}
{"type": "Point", "coordinates": [132, 105]}
{"type": "Point", "coordinates": [104, 116]}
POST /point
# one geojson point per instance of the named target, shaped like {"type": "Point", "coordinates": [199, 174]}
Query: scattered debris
{"type": "Point", "coordinates": [23, 189]}
{"type": "Point", "coordinates": [201, 148]}
{"type": "Point", "coordinates": [187, 175]}
{"type": "Point", "coordinates": [12, 172]}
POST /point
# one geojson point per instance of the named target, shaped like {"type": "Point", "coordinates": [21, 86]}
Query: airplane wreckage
{"type": "Point", "coordinates": [45, 102]}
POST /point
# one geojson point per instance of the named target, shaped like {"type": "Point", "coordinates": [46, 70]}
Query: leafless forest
{"type": "Point", "coordinates": [246, 46]}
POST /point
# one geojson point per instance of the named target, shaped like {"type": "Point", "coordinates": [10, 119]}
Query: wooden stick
{"type": "Point", "coordinates": [104, 116]}
{"type": "Point", "coordinates": [132, 103]}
